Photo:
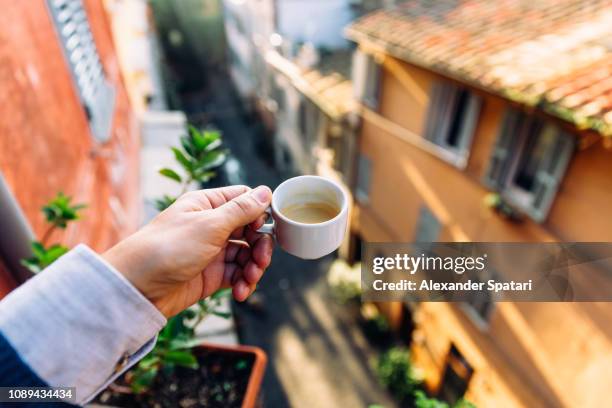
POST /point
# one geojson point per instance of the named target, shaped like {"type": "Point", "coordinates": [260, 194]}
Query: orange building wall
{"type": "Point", "coordinates": [45, 142]}
{"type": "Point", "coordinates": [532, 353]}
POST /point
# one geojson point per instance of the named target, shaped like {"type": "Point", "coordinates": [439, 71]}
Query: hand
{"type": "Point", "coordinates": [183, 255]}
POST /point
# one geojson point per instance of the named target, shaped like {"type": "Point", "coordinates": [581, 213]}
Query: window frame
{"type": "Point", "coordinates": [516, 131]}
{"type": "Point", "coordinates": [442, 113]}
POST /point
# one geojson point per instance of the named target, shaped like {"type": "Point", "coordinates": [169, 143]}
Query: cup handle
{"type": "Point", "coordinates": [269, 227]}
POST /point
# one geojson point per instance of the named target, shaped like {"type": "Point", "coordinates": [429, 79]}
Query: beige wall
{"type": "Point", "coordinates": [531, 354]}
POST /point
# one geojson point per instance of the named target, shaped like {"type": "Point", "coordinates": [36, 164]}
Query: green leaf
{"type": "Point", "coordinates": [212, 159]}
{"type": "Point", "coordinates": [213, 145]}
{"type": "Point", "coordinates": [199, 141]}
{"type": "Point", "coordinates": [32, 264]}
{"type": "Point", "coordinates": [183, 161]}
{"type": "Point", "coordinates": [59, 211]}
{"type": "Point", "coordinates": [53, 253]}
{"type": "Point", "coordinates": [213, 139]}
{"type": "Point", "coordinates": [184, 344]}
{"type": "Point", "coordinates": [38, 249]}
{"type": "Point", "coordinates": [143, 379]}
{"type": "Point", "coordinates": [187, 144]}
{"type": "Point", "coordinates": [224, 315]}
{"type": "Point", "coordinates": [181, 358]}
{"type": "Point", "coordinates": [171, 174]}
{"type": "Point", "coordinates": [148, 362]}
{"type": "Point", "coordinates": [204, 176]}
{"type": "Point", "coordinates": [164, 202]}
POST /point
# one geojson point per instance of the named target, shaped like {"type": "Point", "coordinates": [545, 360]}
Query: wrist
{"type": "Point", "coordinates": [134, 261]}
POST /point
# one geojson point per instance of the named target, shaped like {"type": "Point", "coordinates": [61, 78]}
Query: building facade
{"type": "Point", "coordinates": [67, 124]}
{"type": "Point", "coordinates": [463, 103]}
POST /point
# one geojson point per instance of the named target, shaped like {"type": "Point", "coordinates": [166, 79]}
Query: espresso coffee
{"type": "Point", "coordinates": [310, 213]}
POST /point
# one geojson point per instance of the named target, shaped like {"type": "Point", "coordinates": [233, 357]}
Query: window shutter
{"type": "Point", "coordinates": [372, 95]}
{"type": "Point", "coordinates": [551, 173]}
{"type": "Point", "coordinates": [95, 93]}
{"type": "Point", "coordinates": [498, 167]}
{"type": "Point", "coordinates": [435, 105]}
{"type": "Point", "coordinates": [469, 123]}
{"type": "Point", "coordinates": [366, 79]}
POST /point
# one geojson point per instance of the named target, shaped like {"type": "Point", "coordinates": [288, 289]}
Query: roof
{"type": "Point", "coordinates": [555, 54]}
{"type": "Point", "coordinates": [326, 84]}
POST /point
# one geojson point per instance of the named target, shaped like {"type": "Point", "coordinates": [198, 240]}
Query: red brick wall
{"type": "Point", "coordinates": [45, 142]}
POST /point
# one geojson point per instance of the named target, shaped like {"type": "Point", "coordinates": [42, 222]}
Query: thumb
{"type": "Point", "coordinates": [245, 208]}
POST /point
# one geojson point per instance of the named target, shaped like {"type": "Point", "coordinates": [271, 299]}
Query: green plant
{"type": "Point", "coordinates": [59, 212]}
{"type": "Point", "coordinates": [421, 400]}
{"type": "Point", "coordinates": [199, 154]}
{"type": "Point", "coordinates": [396, 373]}
{"type": "Point", "coordinates": [175, 342]}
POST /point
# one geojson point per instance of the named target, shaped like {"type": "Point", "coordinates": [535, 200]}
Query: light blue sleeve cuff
{"type": "Point", "coordinates": [77, 320]}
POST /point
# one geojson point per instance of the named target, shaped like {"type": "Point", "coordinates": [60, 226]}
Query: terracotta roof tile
{"type": "Point", "coordinates": [553, 53]}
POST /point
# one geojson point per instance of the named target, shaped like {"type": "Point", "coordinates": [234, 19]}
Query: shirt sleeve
{"type": "Point", "coordinates": [79, 323]}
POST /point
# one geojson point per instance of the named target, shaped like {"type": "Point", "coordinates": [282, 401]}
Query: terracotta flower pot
{"type": "Point", "coordinates": [223, 366]}
{"type": "Point", "coordinates": [257, 371]}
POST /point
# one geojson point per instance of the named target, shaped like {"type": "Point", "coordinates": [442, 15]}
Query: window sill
{"type": "Point", "coordinates": [451, 157]}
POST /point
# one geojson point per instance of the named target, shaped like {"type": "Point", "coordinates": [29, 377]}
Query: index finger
{"type": "Point", "coordinates": [219, 196]}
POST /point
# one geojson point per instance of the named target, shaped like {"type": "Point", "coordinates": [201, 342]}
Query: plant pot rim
{"type": "Point", "coordinates": [257, 371]}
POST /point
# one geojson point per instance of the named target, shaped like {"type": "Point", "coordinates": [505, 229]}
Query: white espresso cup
{"type": "Point", "coordinates": [308, 241]}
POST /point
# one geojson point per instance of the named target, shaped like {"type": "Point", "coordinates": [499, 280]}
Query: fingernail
{"type": "Point", "coordinates": [262, 194]}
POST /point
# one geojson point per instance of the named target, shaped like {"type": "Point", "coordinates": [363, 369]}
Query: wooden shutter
{"type": "Point", "coordinates": [435, 105]}
{"type": "Point", "coordinates": [372, 95]}
{"type": "Point", "coordinates": [96, 94]}
{"type": "Point", "coordinates": [468, 126]}
{"type": "Point", "coordinates": [366, 79]}
{"type": "Point", "coordinates": [501, 157]}
{"type": "Point", "coordinates": [551, 173]}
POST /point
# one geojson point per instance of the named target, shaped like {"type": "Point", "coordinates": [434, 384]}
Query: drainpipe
{"type": "Point", "coordinates": [15, 234]}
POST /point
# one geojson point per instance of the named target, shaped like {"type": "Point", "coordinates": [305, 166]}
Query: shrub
{"type": "Point", "coordinates": [421, 400]}
{"type": "Point", "coordinates": [396, 373]}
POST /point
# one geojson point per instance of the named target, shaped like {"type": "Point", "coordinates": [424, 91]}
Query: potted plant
{"type": "Point", "coordinates": [181, 370]}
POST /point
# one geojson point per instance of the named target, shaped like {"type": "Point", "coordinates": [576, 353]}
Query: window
{"type": "Point", "coordinates": [96, 94]}
{"type": "Point", "coordinates": [528, 162]}
{"type": "Point", "coordinates": [479, 307]}
{"type": "Point", "coordinates": [428, 227]}
{"type": "Point", "coordinates": [364, 174]}
{"type": "Point", "coordinates": [366, 79]}
{"type": "Point", "coordinates": [451, 119]}
{"type": "Point", "coordinates": [456, 377]}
